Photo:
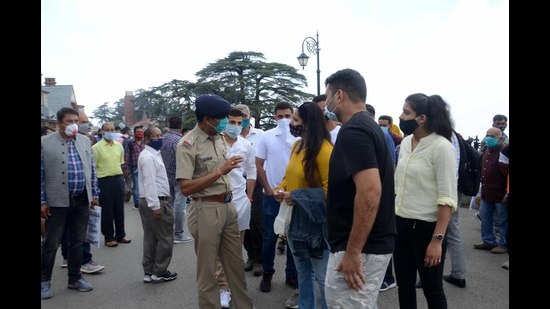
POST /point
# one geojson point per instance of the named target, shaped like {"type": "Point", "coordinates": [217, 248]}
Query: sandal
{"type": "Point", "coordinates": [112, 243]}
{"type": "Point", "coordinates": [124, 240]}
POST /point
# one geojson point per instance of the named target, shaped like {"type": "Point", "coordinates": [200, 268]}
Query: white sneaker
{"type": "Point", "coordinates": [506, 265]}
{"type": "Point", "coordinates": [147, 278]}
{"type": "Point", "coordinates": [293, 300]}
{"type": "Point", "coordinates": [91, 267]}
{"type": "Point", "coordinates": [225, 298]}
{"type": "Point", "coordinates": [64, 264]}
{"type": "Point", "coordinates": [183, 239]}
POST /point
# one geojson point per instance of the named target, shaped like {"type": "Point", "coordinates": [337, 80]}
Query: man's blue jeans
{"type": "Point", "coordinates": [135, 185]}
{"type": "Point", "coordinates": [494, 214]}
{"type": "Point", "coordinates": [180, 206]}
{"type": "Point", "coordinates": [270, 210]}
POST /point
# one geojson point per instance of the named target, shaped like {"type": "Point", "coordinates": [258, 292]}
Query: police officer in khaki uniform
{"type": "Point", "coordinates": [202, 172]}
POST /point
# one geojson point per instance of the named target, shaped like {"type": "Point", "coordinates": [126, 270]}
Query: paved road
{"type": "Point", "coordinates": [120, 285]}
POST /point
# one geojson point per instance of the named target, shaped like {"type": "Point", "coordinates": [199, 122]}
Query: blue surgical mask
{"type": "Point", "coordinates": [109, 136]}
{"type": "Point", "coordinates": [233, 131]}
{"type": "Point", "coordinates": [491, 142]}
{"type": "Point", "coordinates": [155, 143]}
{"type": "Point", "coordinates": [246, 123]}
{"type": "Point", "coordinates": [385, 129]}
{"type": "Point", "coordinates": [330, 114]}
{"type": "Point", "coordinates": [220, 127]}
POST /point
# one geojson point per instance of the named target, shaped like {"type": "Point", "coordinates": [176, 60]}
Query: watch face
{"type": "Point", "coordinates": [438, 236]}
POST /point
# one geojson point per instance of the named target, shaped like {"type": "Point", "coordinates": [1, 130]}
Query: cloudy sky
{"type": "Point", "coordinates": [458, 49]}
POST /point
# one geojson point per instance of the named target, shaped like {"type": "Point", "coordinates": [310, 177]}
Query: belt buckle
{"type": "Point", "coordinates": [227, 197]}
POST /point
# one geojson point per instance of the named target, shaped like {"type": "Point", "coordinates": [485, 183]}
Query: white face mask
{"type": "Point", "coordinates": [71, 130]}
{"type": "Point", "coordinates": [283, 123]}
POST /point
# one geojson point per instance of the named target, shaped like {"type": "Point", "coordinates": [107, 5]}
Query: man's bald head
{"type": "Point", "coordinates": [83, 118]}
{"type": "Point", "coordinates": [496, 132]}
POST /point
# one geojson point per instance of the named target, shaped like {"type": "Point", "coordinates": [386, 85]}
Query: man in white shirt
{"type": "Point", "coordinates": [253, 236]}
{"type": "Point", "coordinates": [272, 156]}
{"type": "Point", "coordinates": [155, 210]}
{"type": "Point", "coordinates": [238, 146]}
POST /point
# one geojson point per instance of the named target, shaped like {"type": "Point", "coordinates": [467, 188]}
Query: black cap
{"type": "Point", "coordinates": [212, 105]}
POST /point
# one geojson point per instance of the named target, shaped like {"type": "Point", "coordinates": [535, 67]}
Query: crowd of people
{"type": "Point", "coordinates": [366, 199]}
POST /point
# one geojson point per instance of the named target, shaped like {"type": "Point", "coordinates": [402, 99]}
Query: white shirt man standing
{"type": "Point", "coordinates": [253, 236]}
{"type": "Point", "coordinates": [272, 156]}
{"type": "Point", "coordinates": [155, 210]}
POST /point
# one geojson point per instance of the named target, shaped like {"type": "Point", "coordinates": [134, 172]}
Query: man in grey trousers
{"type": "Point", "coordinates": [155, 210]}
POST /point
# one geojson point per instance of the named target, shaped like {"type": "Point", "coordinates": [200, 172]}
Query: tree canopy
{"type": "Point", "coordinates": [240, 78]}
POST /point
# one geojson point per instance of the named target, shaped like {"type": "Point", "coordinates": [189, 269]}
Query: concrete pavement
{"type": "Point", "coordinates": [121, 285]}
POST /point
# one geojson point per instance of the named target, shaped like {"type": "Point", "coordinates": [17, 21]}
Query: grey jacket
{"type": "Point", "coordinates": [56, 176]}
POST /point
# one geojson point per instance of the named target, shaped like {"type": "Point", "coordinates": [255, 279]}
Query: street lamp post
{"type": "Point", "coordinates": [313, 48]}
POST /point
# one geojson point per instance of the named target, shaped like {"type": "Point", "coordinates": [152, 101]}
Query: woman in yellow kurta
{"type": "Point", "coordinates": [308, 168]}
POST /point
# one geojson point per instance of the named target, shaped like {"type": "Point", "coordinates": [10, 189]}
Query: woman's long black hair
{"type": "Point", "coordinates": [313, 138]}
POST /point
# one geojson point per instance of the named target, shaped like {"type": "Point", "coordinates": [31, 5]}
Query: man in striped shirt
{"type": "Point", "coordinates": [131, 154]}
{"type": "Point", "coordinates": [168, 153]}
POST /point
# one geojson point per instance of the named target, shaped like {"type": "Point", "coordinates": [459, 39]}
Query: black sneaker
{"type": "Point", "coordinates": [257, 270]}
{"type": "Point", "coordinates": [248, 265]}
{"type": "Point", "coordinates": [167, 276]}
{"type": "Point", "coordinates": [265, 284]}
{"type": "Point", "coordinates": [388, 284]}
{"type": "Point", "coordinates": [281, 244]}
{"type": "Point", "coordinates": [461, 283]}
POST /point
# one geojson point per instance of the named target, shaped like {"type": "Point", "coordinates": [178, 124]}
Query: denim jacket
{"type": "Point", "coordinates": [307, 234]}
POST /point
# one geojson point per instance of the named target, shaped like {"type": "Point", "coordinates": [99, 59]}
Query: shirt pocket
{"type": "Point", "coordinates": [205, 165]}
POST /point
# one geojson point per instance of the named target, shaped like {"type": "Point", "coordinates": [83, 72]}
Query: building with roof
{"type": "Point", "coordinates": [55, 97]}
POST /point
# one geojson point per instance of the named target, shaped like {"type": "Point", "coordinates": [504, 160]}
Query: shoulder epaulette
{"type": "Point", "coordinates": [188, 140]}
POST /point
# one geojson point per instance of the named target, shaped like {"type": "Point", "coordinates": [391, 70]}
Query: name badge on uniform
{"type": "Point", "coordinates": [205, 159]}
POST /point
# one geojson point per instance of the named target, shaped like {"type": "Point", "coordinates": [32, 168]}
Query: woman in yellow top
{"type": "Point", "coordinates": [308, 168]}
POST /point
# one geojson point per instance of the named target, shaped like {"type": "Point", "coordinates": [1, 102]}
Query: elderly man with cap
{"type": "Point", "coordinates": [202, 169]}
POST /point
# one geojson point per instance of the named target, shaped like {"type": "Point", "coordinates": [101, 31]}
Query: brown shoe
{"type": "Point", "coordinates": [499, 250]}
{"type": "Point", "coordinates": [124, 240]}
{"type": "Point", "coordinates": [484, 246]}
{"type": "Point", "coordinates": [128, 196]}
{"type": "Point", "coordinates": [111, 243]}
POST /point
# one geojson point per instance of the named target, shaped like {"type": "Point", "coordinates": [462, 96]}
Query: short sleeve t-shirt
{"type": "Point", "coordinates": [360, 145]}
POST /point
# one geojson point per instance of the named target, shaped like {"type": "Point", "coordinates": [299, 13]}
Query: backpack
{"type": "Point", "coordinates": [469, 169]}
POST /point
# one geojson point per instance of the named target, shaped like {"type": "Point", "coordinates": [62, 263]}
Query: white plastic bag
{"type": "Point", "coordinates": [94, 226]}
{"type": "Point", "coordinates": [282, 221]}
{"type": "Point", "coordinates": [475, 202]}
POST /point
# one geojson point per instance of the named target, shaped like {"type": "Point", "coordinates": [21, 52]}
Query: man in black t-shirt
{"type": "Point", "coordinates": [361, 199]}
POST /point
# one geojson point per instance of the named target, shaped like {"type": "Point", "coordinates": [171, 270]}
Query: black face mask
{"type": "Point", "coordinates": [408, 126]}
{"type": "Point", "coordinates": [296, 131]}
